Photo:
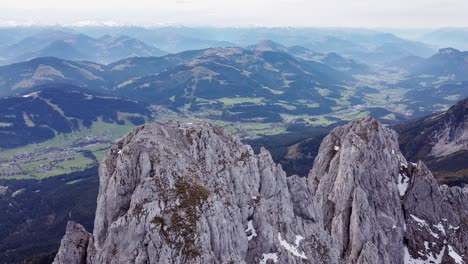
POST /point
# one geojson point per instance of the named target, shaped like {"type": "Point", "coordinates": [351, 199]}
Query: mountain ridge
{"type": "Point", "coordinates": [222, 203]}
{"type": "Point", "coordinates": [61, 109]}
{"type": "Point", "coordinates": [72, 46]}
{"type": "Point", "coordinates": [439, 140]}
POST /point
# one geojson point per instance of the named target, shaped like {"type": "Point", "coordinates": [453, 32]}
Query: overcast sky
{"type": "Point", "coordinates": [314, 13]}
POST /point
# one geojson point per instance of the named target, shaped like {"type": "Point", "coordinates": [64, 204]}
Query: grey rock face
{"type": "Point", "coordinates": [192, 194]}
{"type": "Point", "coordinates": [73, 247]}
{"type": "Point", "coordinates": [354, 181]}
{"type": "Point", "coordinates": [436, 219]}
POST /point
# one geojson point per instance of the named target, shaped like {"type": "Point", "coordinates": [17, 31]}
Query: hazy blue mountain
{"type": "Point", "coordinates": [11, 35]}
{"type": "Point", "coordinates": [448, 66]}
{"type": "Point", "coordinates": [19, 77]}
{"type": "Point", "coordinates": [59, 49]}
{"type": "Point", "coordinates": [332, 59]}
{"type": "Point", "coordinates": [169, 39]}
{"type": "Point", "coordinates": [408, 63]}
{"type": "Point", "coordinates": [39, 41]}
{"type": "Point", "coordinates": [268, 45]}
{"type": "Point", "coordinates": [235, 72]}
{"type": "Point", "coordinates": [370, 46]}
{"type": "Point", "coordinates": [341, 63]}
{"type": "Point", "coordinates": [73, 46]}
{"type": "Point", "coordinates": [114, 48]}
{"type": "Point", "coordinates": [447, 37]}
{"type": "Point", "coordinates": [127, 69]}
{"type": "Point", "coordinates": [447, 62]}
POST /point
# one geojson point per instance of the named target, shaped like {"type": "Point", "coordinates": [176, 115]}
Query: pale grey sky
{"type": "Point", "coordinates": [315, 13]}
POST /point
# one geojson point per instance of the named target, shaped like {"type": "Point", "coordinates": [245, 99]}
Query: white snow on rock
{"type": "Point", "coordinates": [419, 220]}
{"type": "Point", "coordinates": [440, 227]}
{"type": "Point", "coordinates": [29, 95]}
{"type": "Point", "coordinates": [403, 181]}
{"type": "Point", "coordinates": [430, 259]}
{"type": "Point", "coordinates": [423, 223]}
{"type": "Point", "coordinates": [120, 152]}
{"type": "Point", "coordinates": [426, 245]}
{"type": "Point", "coordinates": [336, 148]}
{"type": "Point", "coordinates": [454, 255]}
{"type": "Point", "coordinates": [293, 249]}
{"type": "Point", "coordinates": [18, 192]}
{"type": "Point", "coordinates": [251, 232]}
{"type": "Point", "coordinates": [266, 257]}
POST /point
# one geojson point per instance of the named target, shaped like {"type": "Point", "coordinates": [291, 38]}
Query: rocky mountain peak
{"type": "Point", "coordinates": [189, 193]}
{"type": "Point", "coordinates": [355, 182]}
{"type": "Point", "coordinates": [448, 52]}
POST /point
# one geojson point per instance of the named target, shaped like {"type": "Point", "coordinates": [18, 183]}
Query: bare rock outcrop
{"type": "Point", "coordinates": [355, 183]}
{"type": "Point", "coordinates": [73, 247]}
{"type": "Point", "coordinates": [172, 193]}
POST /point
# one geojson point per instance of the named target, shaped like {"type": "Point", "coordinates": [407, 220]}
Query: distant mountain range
{"type": "Point", "coordinates": [448, 63]}
{"type": "Point", "coordinates": [365, 45]}
{"type": "Point", "coordinates": [369, 46]}
{"type": "Point", "coordinates": [331, 59]}
{"type": "Point", "coordinates": [236, 73]}
{"type": "Point", "coordinates": [19, 77]}
{"type": "Point", "coordinates": [72, 46]}
{"type": "Point", "coordinates": [265, 82]}
{"type": "Point", "coordinates": [447, 37]}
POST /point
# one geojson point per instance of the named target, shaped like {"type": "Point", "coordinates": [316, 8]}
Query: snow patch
{"type": "Point", "coordinates": [454, 255]}
{"type": "Point", "coordinates": [440, 227]}
{"type": "Point", "coordinates": [293, 249]}
{"type": "Point", "coordinates": [18, 192]}
{"type": "Point", "coordinates": [120, 152]}
{"type": "Point", "coordinates": [266, 257]}
{"type": "Point", "coordinates": [408, 259]}
{"type": "Point", "coordinates": [29, 95]}
{"type": "Point", "coordinates": [251, 232]}
{"type": "Point", "coordinates": [423, 223]}
{"type": "Point", "coordinates": [403, 181]}
{"type": "Point", "coordinates": [419, 220]}
{"type": "Point", "coordinates": [336, 148]}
